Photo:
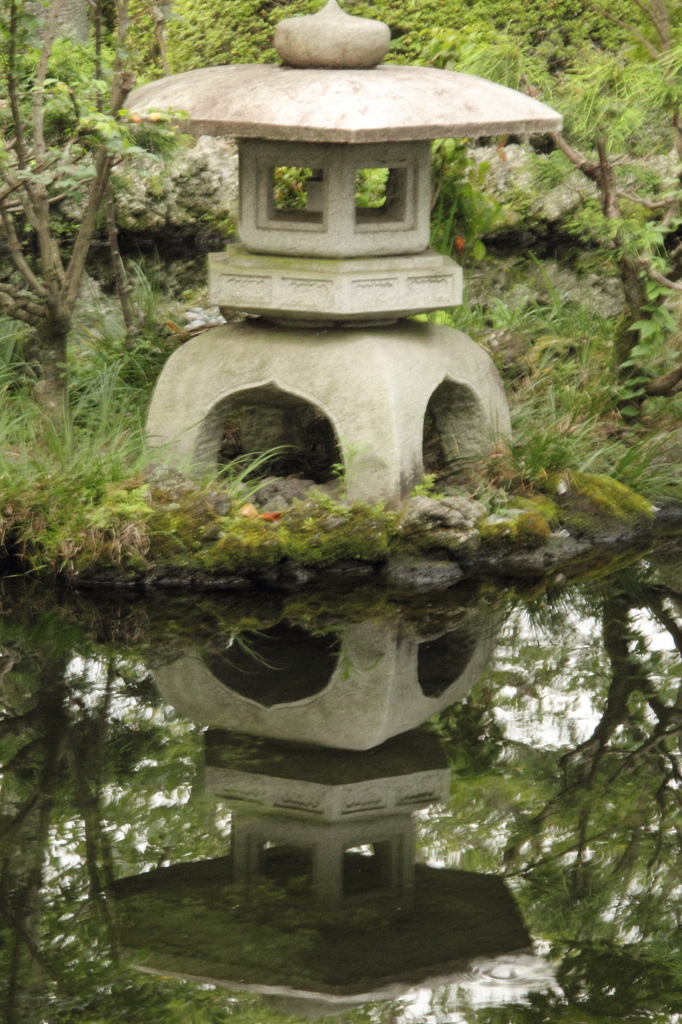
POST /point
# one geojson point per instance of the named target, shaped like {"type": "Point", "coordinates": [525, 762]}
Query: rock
{"type": "Point", "coordinates": [515, 528]}
{"type": "Point", "coordinates": [453, 512]}
{"type": "Point", "coordinates": [421, 573]}
{"type": "Point", "coordinates": [280, 492]}
{"type": "Point", "coordinates": [198, 186]}
{"type": "Point", "coordinates": [172, 483]}
{"type": "Point", "coordinates": [520, 282]}
{"type": "Point", "coordinates": [442, 523]}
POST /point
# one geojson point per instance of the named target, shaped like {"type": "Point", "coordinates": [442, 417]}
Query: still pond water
{"type": "Point", "coordinates": [270, 807]}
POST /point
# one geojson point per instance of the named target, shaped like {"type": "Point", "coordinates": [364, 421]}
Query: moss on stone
{"type": "Point", "coordinates": [592, 505]}
{"type": "Point", "coordinates": [539, 503]}
{"type": "Point", "coordinates": [321, 533]}
{"type": "Point", "coordinates": [528, 530]}
{"type": "Point", "coordinates": [245, 544]}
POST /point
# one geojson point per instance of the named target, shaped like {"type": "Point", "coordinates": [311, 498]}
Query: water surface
{"type": "Point", "coordinates": [343, 805]}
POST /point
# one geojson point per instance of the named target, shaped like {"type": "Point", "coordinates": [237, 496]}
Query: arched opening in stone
{"type": "Point", "coordinates": [281, 665]}
{"type": "Point", "coordinates": [455, 428]}
{"type": "Point", "coordinates": [441, 662]}
{"type": "Point", "coordinates": [265, 419]}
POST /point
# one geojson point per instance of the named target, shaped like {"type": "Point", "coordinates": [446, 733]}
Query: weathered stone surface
{"type": "Point", "coordinates": [279, 492]}
{"type": "Point", "coordinates": [456, 513]}
{"type": "Point", "coordinates": [442, 523]}
{"type": "Point", "coordinates": [199, 184]}
{"type": "Point", "coordinates": [331, 226]}
{"type": "Point", "coordinates": [332, 39]}
{"type": "Point", "coordinates": [385, 104]}
{"type": "Point", "coordinates": [335, 290]}
{"type": "Point", "coordinates": [373, 386]}
{"type": "Point", "coordinates": [421, 573]}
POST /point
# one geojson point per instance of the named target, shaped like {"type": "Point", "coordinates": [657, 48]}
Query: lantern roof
{"type": "Point", "coordinates": [388, 103]}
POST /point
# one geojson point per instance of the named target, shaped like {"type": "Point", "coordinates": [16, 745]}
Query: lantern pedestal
{"type": "Point", "coordinates": [374, 289]}
{"type": "Point", "coordinates": [374, 386]}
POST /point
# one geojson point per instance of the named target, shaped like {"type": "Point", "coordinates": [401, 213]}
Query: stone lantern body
{"type": "Point", "coordinates": [331, 279]}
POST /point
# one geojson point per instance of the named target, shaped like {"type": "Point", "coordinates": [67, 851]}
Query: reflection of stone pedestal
{"type": "Point", "coordinates": [374, 386]}
{"type": "Point", "coordinates": [384, 684]}
{"type": "Point", "coordinates": [319, 804]}
{"type": "Point", "coordinates": [325, 845]}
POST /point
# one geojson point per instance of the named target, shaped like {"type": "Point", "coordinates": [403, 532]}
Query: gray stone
{"type": "Point", "coordinates": [197, 184]}
{"type": "Point", "coordinates": [336, 290]}
{"type": "Point", "coordinates": [280, 492]}
{"type": "Point", "coordinates": [331, 226]}
{"type": "Point", "coordinates": [373, 386]}
{"type": "Point", "coordinates": [456, 513]}
{"type": "Point", "coordinates": [373, 693]}
{"type": "Point", "coordinates": [332, 39]}
{"type": "Point", "coordinates": [421, 573]}
{"type": "Point", "coordinates": [389, 103]}
{"type": "Point", "coordinates": [443, 523]}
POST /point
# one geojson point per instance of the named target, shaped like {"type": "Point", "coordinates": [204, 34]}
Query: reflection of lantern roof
{"type": "Point", "coordinates": [198, 925]}
{"type": "Point", "coordinates": [387, 103]}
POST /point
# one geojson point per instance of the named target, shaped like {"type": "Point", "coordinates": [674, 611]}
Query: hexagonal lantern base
{"type": "Point", "coordinates": [373, 385]}
{"type": "Point", "coordinates": [319, 290]}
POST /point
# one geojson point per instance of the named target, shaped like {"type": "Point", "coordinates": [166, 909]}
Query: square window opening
{"type": "Point", "coordinates": [380, 195]}
{"type": "Point", "coordinates": [367, 868]}
{"type": "Point", "coordinates": [297, 195]}
{"type": "Point", "coordinates": [286, 864]}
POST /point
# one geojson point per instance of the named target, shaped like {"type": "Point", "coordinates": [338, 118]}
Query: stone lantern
{"type": "Point", "coordinates": [329, 278]}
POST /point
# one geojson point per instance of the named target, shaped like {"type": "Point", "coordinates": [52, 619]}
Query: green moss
{"type": "Point", "coordinates": [174, 535]}
{"type": "Point", "coordinates": [539, 503]}
{"type": "Point", "coordinates": [320, 534]}
{"type": "Point", "coordinates": [245, 544]}
{"type": "Point", "coordinates": [529, 530]}
{"type": "Point", "coordinates": [592, 504]}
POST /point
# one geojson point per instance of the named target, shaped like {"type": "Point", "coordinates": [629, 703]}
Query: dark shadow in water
{"type": "Point", "coordinates": [278, 666]}
{"type": "Point", "coordinates": [441, 662]}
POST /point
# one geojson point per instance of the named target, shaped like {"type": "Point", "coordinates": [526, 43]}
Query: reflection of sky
{"type": "Point", "coordinates": [486, 983]}
{"type": "Point", "coordinates": [561, 713]}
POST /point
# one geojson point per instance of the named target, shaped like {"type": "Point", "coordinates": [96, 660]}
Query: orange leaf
{"type": "Point", "coordinates": [271, 517]}
{"type": "Point", "coordinates": [136, 118]}
{"type": "Point", "coordinates": [249, 511]}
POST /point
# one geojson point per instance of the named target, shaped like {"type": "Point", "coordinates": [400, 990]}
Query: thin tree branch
{"type": "Point", "coordinates": [646, 43]}
{"type": "Point", "coordinates": [18, 258]}
{"type": "Point", "coordinates": [649, 203]}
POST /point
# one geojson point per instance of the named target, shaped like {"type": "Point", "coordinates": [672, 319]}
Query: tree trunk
{"type": "Point", "coordinates": [634, 291]}
{"type": "Point", "coordinates": [51, 390]}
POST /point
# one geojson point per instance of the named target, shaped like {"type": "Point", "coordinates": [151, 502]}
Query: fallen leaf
{"type": "Point", "coordinates": [271, 517]}
{"type": "Point", "coordinates": [249, 511]}
{"type": "Point", "coordinates": [136, 118]}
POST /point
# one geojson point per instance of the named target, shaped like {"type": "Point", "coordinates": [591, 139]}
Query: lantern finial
{"type": "Point", "coordinates": [332, 39]}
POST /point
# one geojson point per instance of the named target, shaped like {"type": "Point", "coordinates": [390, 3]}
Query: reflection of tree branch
{"type": "Point", "coordinates": [580, 765]}
{"type": "Point", "coordinates": [88, 803]}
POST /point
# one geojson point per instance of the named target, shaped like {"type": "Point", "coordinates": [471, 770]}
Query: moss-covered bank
{"type": "Point", "coordinates": [166, 530]}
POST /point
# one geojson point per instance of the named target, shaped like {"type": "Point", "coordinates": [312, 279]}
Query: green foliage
{"type": "Point", "coordinates": [461, 211]}
{"type": "Point", "coordinates": [206, 33]}
{"type": "Point", "coordinates": [427, 487]}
